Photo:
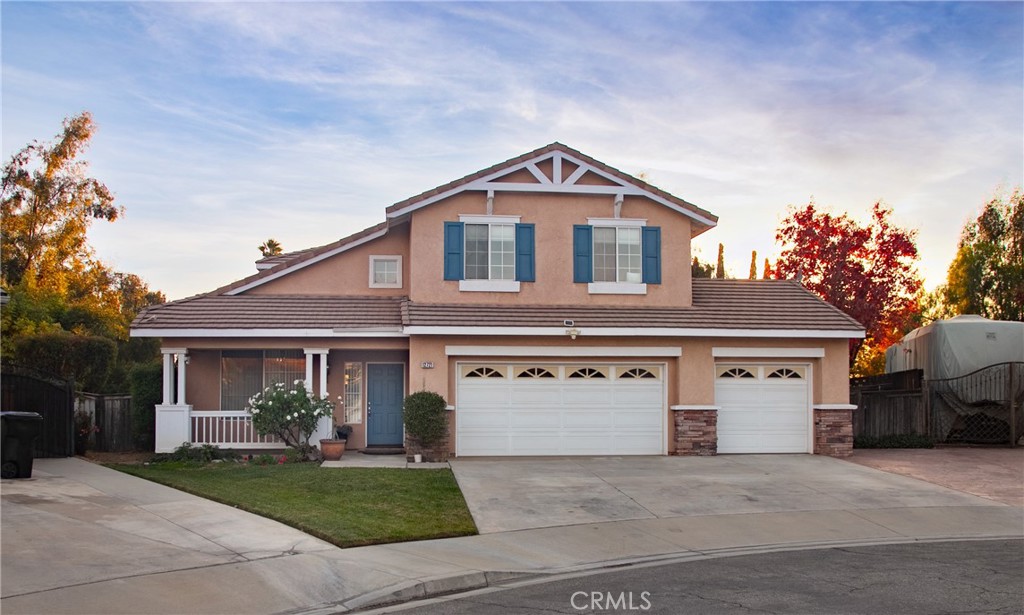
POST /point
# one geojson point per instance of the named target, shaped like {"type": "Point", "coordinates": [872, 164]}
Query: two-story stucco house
{"type": "Point", "coordinates": [548, 298]}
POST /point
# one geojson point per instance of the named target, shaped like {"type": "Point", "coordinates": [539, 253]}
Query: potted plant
{"type": "Point", "coordinates": [332, 450]}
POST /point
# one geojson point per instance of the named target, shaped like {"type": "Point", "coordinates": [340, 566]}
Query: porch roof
{"type": "Point", "coordinates": [720, 307]}
{"type": "Point", "coordinates": [717, 304]}
{"type": "Point", "coordinates": [277, 312]}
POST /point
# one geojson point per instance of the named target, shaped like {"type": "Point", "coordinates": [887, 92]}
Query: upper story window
{"type": "Point", "coordinates": [385, 272]}
{"type": "Point", "coordinates": [488, 253]}
{"type": "Point", "coordinates": [616, 256]}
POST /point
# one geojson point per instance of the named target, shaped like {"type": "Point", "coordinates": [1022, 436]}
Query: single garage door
{"type": "Point", "coordinates": [553, 409]}
{"type": "Point", "coordinates": [763, 408]}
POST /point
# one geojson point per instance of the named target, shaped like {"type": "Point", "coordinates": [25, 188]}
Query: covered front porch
{"type": "Point", "coordinates": [206, 388]}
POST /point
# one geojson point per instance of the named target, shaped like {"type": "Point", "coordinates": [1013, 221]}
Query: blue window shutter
{"type": "Point", "coordinates": [525, 269]}
{"type": "Point", "coordinates": [650, 239]}
{"type": "Point", "coordinates": [454, 266]}
{"type": "Point", "coordinates": [582, 253]}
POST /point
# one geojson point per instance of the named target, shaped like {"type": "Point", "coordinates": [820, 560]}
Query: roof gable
{"type": "Point", "coordinates": [556, 168]}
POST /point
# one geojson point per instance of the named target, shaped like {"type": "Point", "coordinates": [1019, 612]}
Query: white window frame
{"type": "Point", "coordinates": [618, 287]}
{"type": "Point", "coordinates": [380, 258]}
{"type": "Point", "coordinates": [488, 285]}
{"type": "Point", "coordinates": [349, 414]}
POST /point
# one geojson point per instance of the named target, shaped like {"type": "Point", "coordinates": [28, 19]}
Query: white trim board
{"type": "Point", "coordinates": [266, 333]}
{"type": "Point", "coordinates": [563, 351]}
{"type": "Point", "coordinates": [500, 331]}
{"type": "Point", "coordinates": [834, 407]}
{"type": "Point", "coordinates": [693, 407]}
{"type": "Point", "coordinates": [769, 353]}
{"type": "Point", "coordinates": [635, 332]}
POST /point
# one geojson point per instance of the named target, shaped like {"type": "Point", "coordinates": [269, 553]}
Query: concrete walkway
{"type": "Point", "coordinates": [79, 538]}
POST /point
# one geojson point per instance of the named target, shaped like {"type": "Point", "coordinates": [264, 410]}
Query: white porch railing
{"type": "Point", "coordinates": [229, 429]}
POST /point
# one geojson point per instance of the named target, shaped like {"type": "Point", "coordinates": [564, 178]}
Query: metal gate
{"type": "Point", "coordinates": [27, 390]}
{"type": "Point", "coordinates": [986, 406]}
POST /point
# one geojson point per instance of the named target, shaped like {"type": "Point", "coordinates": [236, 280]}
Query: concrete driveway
{"type": "Point", "coordinates": [515, 494]}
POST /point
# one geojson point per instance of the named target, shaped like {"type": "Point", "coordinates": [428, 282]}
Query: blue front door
{"type": "Point", "coordinates": [385, 384]}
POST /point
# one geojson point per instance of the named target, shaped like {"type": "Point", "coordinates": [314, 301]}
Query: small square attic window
{"type": "Point", "coordinates": [385, 272]}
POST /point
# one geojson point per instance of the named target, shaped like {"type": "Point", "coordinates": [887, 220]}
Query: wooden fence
{"type": "Point", "coordinates": [890, 404]}
{"type": "Point", "coordinates": [886, 413]}
{"type": "Point", "coordinates": [112, 414]}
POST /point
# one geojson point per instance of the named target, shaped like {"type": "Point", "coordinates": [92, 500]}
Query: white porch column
{"type": "Point", "coordinates": [173, 419]}
{"type": "Point", "coordinates": [325, 427]}
{"type": "Point", "coordinates": [323, 374]}
{"type": "Point", "coordinates": [309, 368]}
{"type": "Point", "coordinates": [168, 380]}
{"type": "Point", "coordinates": [182, 362]}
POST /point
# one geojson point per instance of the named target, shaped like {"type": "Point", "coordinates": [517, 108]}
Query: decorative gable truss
{"type": "Point", "coordinates": [556, 169]}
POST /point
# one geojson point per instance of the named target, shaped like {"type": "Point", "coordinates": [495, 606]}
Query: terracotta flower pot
{"type": "Point", "coordinates": [332, 450]}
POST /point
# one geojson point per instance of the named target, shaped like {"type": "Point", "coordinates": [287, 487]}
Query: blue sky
{"type": "Point", "coordinates": [223, 124]}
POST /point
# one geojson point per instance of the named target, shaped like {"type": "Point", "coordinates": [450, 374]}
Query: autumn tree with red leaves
{"type": "Point", "coordinates": [867, 271]}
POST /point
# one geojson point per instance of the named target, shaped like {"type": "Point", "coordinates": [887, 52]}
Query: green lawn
{"type": "Point", "coordinates": [344, 506]}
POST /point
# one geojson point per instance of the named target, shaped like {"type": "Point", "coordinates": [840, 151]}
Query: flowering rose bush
{"type": "Point", "coordinates": [290, 413]}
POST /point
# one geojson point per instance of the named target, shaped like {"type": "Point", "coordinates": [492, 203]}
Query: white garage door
{"type": "Point", "coordinates": [763, 408]}
{"type": "Point", "coordinates": [547, 409]}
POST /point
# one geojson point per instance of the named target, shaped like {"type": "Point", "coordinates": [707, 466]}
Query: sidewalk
{"type": "Point", "coordinates": [81, 538]}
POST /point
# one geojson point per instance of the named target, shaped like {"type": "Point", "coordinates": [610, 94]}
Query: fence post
{"type": "Point", "coordinates": [929, 422]}
{"type": "Point", "coordinates": [1011, 390]}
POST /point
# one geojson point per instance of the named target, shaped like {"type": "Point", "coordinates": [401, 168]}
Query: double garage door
{"type": "Point", "coordinates": [763, 408]}
{"type": "Point", "coordinates": [557, 409]}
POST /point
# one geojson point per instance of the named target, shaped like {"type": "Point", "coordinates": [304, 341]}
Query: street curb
{"type": "Point", "coordinates": [436, 587]}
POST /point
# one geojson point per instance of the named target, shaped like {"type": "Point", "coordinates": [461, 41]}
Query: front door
{"type": "Point", "coordinates": [385, 384]}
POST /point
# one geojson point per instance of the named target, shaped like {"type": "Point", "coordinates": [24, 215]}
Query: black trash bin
{"type": "Point", "coordinates": [18, 433]}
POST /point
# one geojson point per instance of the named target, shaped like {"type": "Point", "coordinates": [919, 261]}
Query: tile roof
{"type": "Point", "coordinates": [717, 304]}
{"type": "Point", "coordinates": [292, 259]}
{"type": "Point", "coordinates": [274, 312]}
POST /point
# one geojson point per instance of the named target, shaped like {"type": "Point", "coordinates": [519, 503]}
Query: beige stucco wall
{"type": "Point", "coordinates": [347, 273]}
{"type": "Point", "coordinates": [554, 217]}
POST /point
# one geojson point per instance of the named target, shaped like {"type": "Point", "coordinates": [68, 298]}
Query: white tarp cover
{"type": "Point", "coordinates": [957, 347]}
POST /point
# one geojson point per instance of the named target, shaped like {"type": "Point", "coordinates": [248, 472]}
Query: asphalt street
{"type": "Point", "coordinates": [920, 578]}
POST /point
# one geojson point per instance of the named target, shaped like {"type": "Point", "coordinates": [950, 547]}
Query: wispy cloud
{"type": "Point", "coordinates": [225, 123]}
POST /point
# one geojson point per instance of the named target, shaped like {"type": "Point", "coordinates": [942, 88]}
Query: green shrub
{"type": "Point", "coordinates": [145, 383]}
{"type": "Point", "coordinates": [264, 460]}
{"type": "Point", "coordinates": [294, 455]}
{"type": "Point", "coordinates": [88, 359]}
{"type": "Point", "coordinates": [425, 417]}
{"type": "Point", "coordinates": [199, 455]}
{"type": "Point", "coordinates": [909, 440]}
{"type": "Point", "coordinates": [290, 413]}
